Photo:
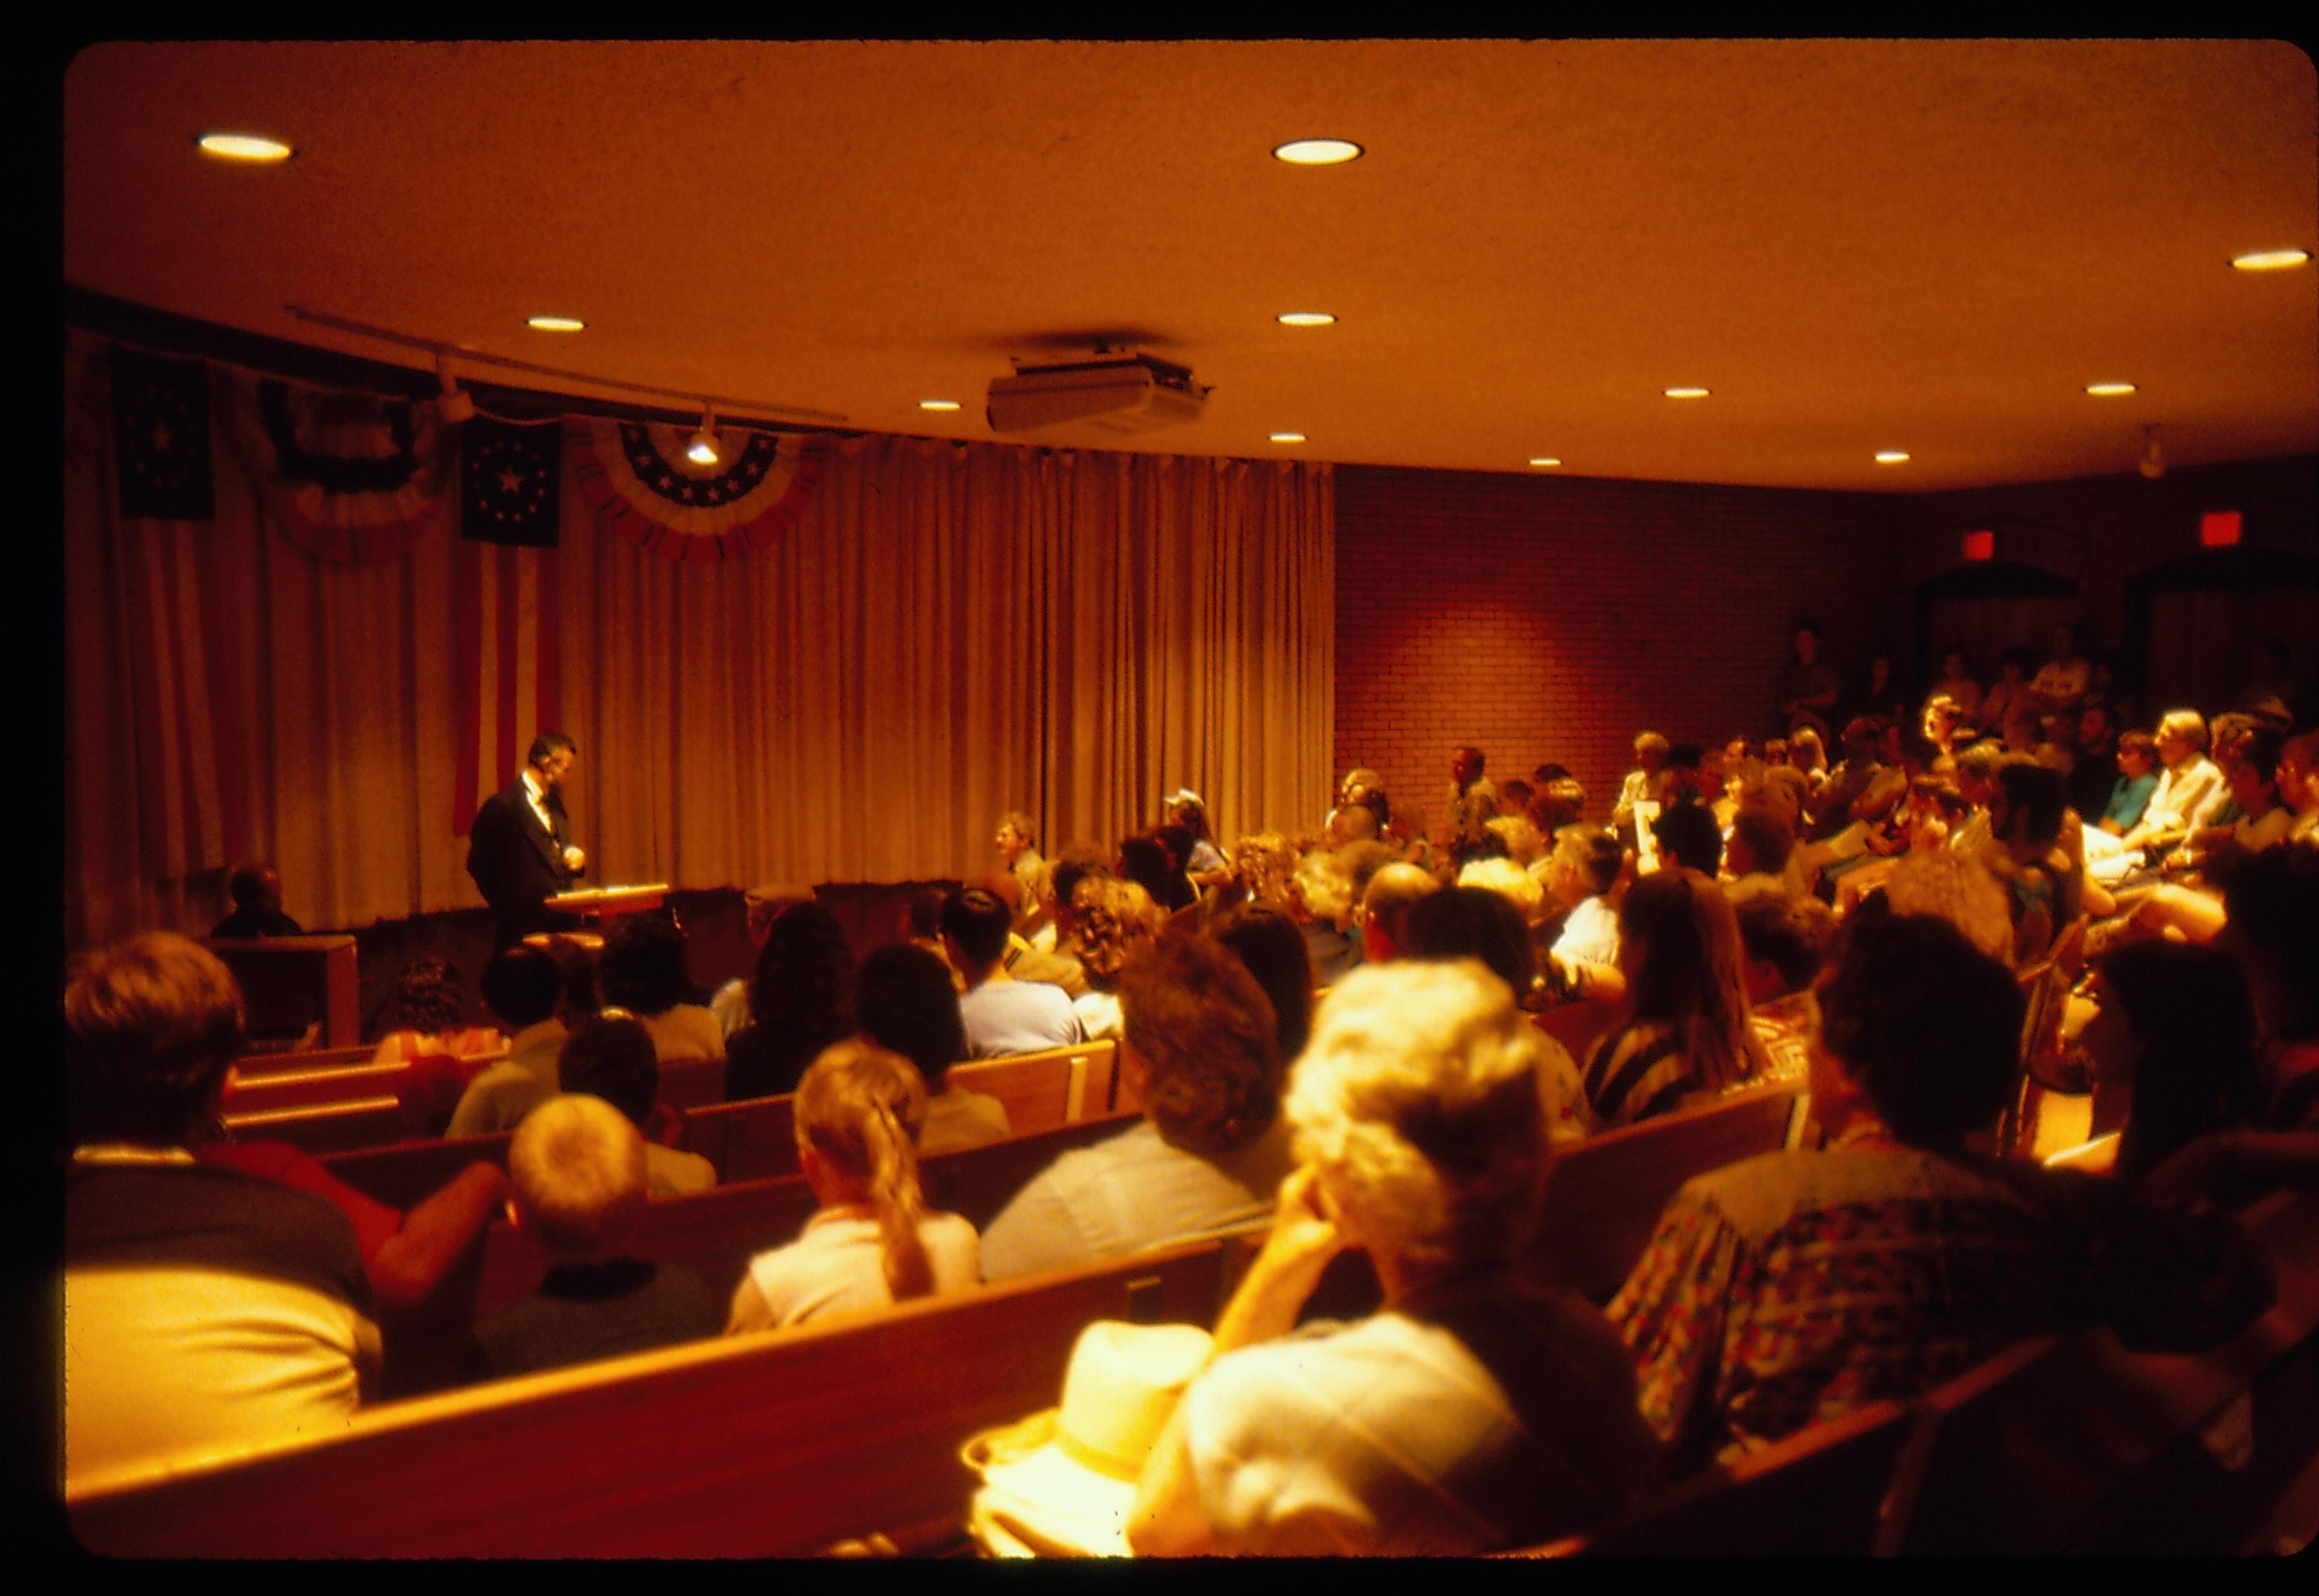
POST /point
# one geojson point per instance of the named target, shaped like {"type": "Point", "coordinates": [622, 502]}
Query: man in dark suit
{"type": "Point", "coordinates": [519, 849]}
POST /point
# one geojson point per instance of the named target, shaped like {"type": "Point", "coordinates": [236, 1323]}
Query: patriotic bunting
{"type": "Point", "coordinates": [507, 611]}
{"type": "Point", "coordinates": [351, 478]}
{"type": "Point", "coordinates": [161, 436]}
{"type": "Point", "coordinates": [640, 481]}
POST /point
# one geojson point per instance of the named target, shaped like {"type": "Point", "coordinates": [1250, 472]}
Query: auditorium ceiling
{"type": "Point", "coordinates": [1931, 247]}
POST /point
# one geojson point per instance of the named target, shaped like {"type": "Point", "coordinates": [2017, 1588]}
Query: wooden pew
{"type": "Point", "coordinates": [763, 1446]}
{"type": "Point", "coordinates": [269, 1063]}
{"type": "Point", "coordinates": [755, 1139]}
{"type": "Point", "coordinates": [289, 983]}
{"type": "Point", "coordinates": [403, 1174]}
{"type": "Point", "coordinates": [2072, 1442]}
{"type": "Point", "coordinates": [1603, 1197]}
{"type": "Point", "coordinates": [325, 1128]}
{"type": "Point", "coordinates": [1055, 1087]}
{"type": "Point", "coordinates": [309, 1087]}
{"type": "Point", "coordinates": [1820, 1492]}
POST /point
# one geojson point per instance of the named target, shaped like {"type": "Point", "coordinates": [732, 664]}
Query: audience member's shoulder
{"type": "Point", "coordinates": [204, 1215]}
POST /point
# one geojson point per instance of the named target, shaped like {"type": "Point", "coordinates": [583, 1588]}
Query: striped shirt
{"type": "Point", "coordinates": [1637, 1071]}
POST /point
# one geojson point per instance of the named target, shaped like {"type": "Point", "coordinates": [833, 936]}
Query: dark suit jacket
{"type": "Point", "coordinates": [517, 864]}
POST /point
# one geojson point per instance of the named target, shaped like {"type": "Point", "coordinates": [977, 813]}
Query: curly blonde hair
{"type": "Point", "coordinates": [1116, 918]}
{"type": "Point", "coordinates": [1419, 1101]}
{"type": "Point", "coordinates": [1263, 864]}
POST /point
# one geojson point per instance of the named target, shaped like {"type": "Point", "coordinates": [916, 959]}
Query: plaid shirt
{"type": "Point", "coordinates": [1793, 1288]}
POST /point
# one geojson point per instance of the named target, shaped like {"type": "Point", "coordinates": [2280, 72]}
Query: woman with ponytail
{"type": "Point", "coordinates": [873, 1243]}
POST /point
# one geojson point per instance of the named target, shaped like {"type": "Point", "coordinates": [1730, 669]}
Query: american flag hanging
{"type": "Point", "coordinates": [190, 746]}
{"type": "Point", "coordinates": [509, 503]}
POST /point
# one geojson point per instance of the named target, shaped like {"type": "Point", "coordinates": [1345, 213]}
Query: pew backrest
{"type": "Point", "coordinates": [2019, 1456]}
{"type": "Point", "coordinates": [309, 1087]}
{"type": "Point", "coordinates": [1604, 1194]}
{"type": "Point", "coordinates": [251, 1065]}
{"type": "Point", "coordinates": [406, 1173]}
{"type": "Point", "coordinates": [1055, 1087]}
{"type": "Point", "coordinates": [754, 1138]}
{"type": "Point", "coordinates": [1819, 1492]}
{"type": "Point", "coordinates": [763, 1446]}
{"type": "Point", "coordinates": [289, 983]}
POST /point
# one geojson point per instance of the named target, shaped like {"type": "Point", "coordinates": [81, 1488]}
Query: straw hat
{"type": "Point", "coordinates": [1063, 1480]}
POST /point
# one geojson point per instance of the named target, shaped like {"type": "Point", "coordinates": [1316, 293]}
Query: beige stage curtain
{"type": "Point", "coordinates": [949, 632]}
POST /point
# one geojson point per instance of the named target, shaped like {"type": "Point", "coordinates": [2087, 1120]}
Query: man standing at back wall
{"type": "Point", "coordinates": [519, 850]}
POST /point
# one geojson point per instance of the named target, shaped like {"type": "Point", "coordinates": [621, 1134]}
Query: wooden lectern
{"type": "Point", "coordinates": [602, 905]}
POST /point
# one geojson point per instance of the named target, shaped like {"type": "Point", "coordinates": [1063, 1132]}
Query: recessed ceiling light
{"type": "Point", "coordinates": [1890, 456]}
{"type": "Point", "coordinates": [938, 404]}
{"type": "Point", "coordinates": [1287, 437]}
{"type": "Point", "coordinates": [1686, 394]}
{"type": "Point", "coordinates": [2270, 260]}
{"type": "Point", "coordinates": [1543, 460]}
{"type": "Point", "coordinates": [1316, 152]}
{"type": "Point", "coordinates": [1304, 318]}
{"type": "Point", "coordinates": [245, 147]}
{"type": "Point", "coordinates": [555, 323]}
{"type": "Point", "coordinates": [2109, 390]}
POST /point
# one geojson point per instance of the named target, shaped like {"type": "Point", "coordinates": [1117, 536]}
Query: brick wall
{"type": "Point", "coordinates": [1546, 617]}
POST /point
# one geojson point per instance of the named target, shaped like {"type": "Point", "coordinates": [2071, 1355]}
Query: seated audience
{"type": "Point", "coordinates": [2061, 682]}
{"type": "Point", "coordinates": [1472, 799]}
{"type": "Point", "coordinates": [801, 1001]}
{"type": "Point", "coordinates": [612, 1057]}
{"type": "Point", "coordinates": [1206, 865]}
{"type": "Point", "coordinates": [1685, 1027]}
{"type": "Point", "coordinates": [1146, 861]}
{"type": "Point", "coordinates": [765, 903]}
{"type": "Point", "coordinates": [1957, 685]}
{"type": "Point", "coordinates": [1476, 1409]}
{"type": "Point", "coordinates": [1265, 867]}
{"type": "Point", "coordinates": [907, 1006]}
{"type": "Point", "coordinates": [1741, 1330]}
{"type": "Point", "coordinates": [1520, 839]}
{"type": "Point", "coordinates": [1689, 839]}
{"type": "Point", "coordinates": [1017, 843]}
{"type": "Point", "coordinates": [1956, 887]}
{"type": "Point", "coordinates": [577, 1169]}
{"type": "Point", "coordinates": [1384, 910]}
{"type": "Point", "coordinates": [2094, 772]}
{"type": "Point", "coordinates": [1579, 878]}
{"type": "Point", "coordinates": [1176, 838]}
{"type": "Point", "coordinates": [2026, 819]}
{"type": "Point", "coordinates": [2009, 695]}
{"type": "Point", "coordinates": [2173, 1046]}
{"type": "Point", "coordinates": [1785, 942]}
{"type": "Point", "coordinates": [1051, 953]}
{"type": "Point", "coordinates": [1643, 788]}
{"type": "Point", "coordinates": [1474, 923]}
{"type": "Point", "coordinates": [1323, 904]}
{"type": "Point", "coordinates": [522, 986]}
{"type": "Point", "coordinates": [1114, 918]}
{"type": "Point", "coordinates": [1510, 881]}
{"type": "Point", "coordinates": [202, 1307]}
{"type": "Point", "coordinates": [1272, 947]}
{"type": "Point", "coordinates": [873, 1242]}
{"type": "Point", "coordinates": [1003, 1015]}
{"type": "Point", "coordinates": [256, 893]}
{"type": "Point", "coordinates": [1201, 1053]}
{"type": "Point", "coordinates": [440, 1055]}
{"type": "Point", "coordinates": [1808, 756]}
{"type": "Point", "coordinates": [1757, 855]}
{"type": "Point", "coordinates": [2190, 789]}
{"type": "Point", "coordinates": [645, 969]}
{"type": "Point", "coordinates": [2137, 778]}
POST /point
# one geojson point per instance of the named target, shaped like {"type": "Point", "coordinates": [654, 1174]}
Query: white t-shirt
{"type": "Point", "coordinates": [835, 1267]}
{"type": "Point", "coordinates": [1590, 933]}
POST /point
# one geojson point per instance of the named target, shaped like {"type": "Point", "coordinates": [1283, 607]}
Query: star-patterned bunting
{"type": "Point", "coordinates": [161, 436]}
{"type": "Point", "coordinates": [509, 482]}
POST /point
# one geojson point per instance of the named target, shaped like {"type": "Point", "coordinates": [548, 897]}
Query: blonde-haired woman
{"type": "Point", "coordinates": [1686, 1027]}
{"type": "Point", "coordinates": [873, 1243]}
{"type": "Point", "coordinates": [1475, 1410]}
{"type": "Point", "coordinates": [1114, 918]}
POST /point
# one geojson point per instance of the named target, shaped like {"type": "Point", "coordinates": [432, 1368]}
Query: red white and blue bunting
{"type": "Point", "coordinates": [637, 477]}
{"type": "Point", "coordinates": [351, 478]}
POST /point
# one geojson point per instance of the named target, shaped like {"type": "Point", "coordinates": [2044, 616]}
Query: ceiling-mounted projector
{"type": "Point", "coordinates": [1119, 391]}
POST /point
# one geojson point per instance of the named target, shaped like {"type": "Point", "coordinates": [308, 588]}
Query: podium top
{"type": "Point", "coordinates": [611, 900]}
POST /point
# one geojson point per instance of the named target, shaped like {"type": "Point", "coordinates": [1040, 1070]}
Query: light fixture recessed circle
{"type": "Point", "coordinates": [1686, 392]}
{"type": "Point", "coordinates": [555, 323]}
{"type": "Point", "coordinates": [1890, 456]}
{"type": "Point", "coordinates": [1287, 437]}
{"type": "Point", "coordinates": [244, 146]}
{"type": "Point", "coordinates": [2270, 260]}
{"type": "Point", "coordinates": [938, 404]}
{"type": "Point", "coordinates": [2109, 390]}
{"type": "Point", "coordinates": [1545, 460]}
{"type": "Point", "coordinates": [1317, 152]}
{"type": "Point", "coordinates": [1304, 318]}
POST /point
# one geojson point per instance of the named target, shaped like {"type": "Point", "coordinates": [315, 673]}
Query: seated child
{"type": "Point", "coordinates": [859, 1110]}
{"type": "Point", "coordinates": [577, 1171]}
